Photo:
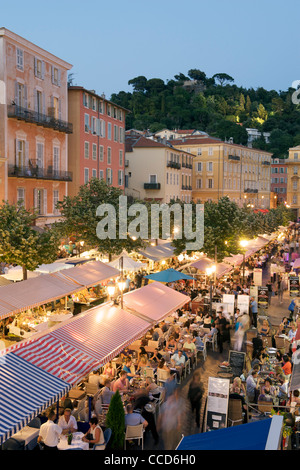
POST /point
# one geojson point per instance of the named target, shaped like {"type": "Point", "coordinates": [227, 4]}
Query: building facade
{"type": "Point", "coordinates": [279, 180]}
{"type": "Point", "coordinates": [97, 145]}
{"type": "Point", "coordinates": [157, 171]}
{"type": "Point", "coordinates": [34, 126]}
{"type": "Point", "coordinates": [293, 182]}
{"type": "Point", "coordinates": [227, 169]}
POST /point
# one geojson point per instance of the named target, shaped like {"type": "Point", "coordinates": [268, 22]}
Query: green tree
{"type": "Point", "coordinates": [115, 420]}
{"type": "Point", "coordinates": [79, 217]}
{"type": "Point", "coordinates": [223, 78]}
{"type": "Point", "coordinates": [20, 243]}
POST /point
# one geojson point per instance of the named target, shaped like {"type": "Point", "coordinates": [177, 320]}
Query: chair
{"type": "Point", "coordinates": [107, 435]}
{"type": "Point", "coordinates": [187, 367]}
{"type": "Point", "coordinates": [202, 350]}
{"type": "Point", "coordinates": [235, 412]}
{"type": "Point", "coordinates": [134, 432]}
{"type": "Point", "coordinates": [83, 426]}
{"type": "Point", "coordinates": [264, 406]}
{"type": "Point", "coordinates": [162, 376]}
{"type": "Point", "coordinates": [149, 372]}
{"type": "Point", "coordinates": [213, 341]}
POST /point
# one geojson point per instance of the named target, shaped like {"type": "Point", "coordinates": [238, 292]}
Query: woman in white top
{"type": "Point", "coordinates": [94, 435]}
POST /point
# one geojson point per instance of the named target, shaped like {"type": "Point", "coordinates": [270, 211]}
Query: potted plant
{"type": "Point", "coordinates": [115, 420]}
{"type": "Point", "coordinates": [70, 438]}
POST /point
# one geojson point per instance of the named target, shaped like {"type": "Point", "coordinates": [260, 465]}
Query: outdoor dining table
{"type": "Point", "coordinates": [26, 436]}
{"type": "Point", "coordinates": [77, 442]}
{"type": "Point", "coordinates": [76, 394]}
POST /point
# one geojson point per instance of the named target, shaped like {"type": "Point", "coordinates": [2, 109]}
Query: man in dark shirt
{"type": "Point", "coordinates": [222, 326]}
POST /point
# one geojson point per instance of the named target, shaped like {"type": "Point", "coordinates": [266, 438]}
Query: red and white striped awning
{"type": "Point", "coordinates": [84, 343]}
{"type": "Point", "coordinates": [155, 301]}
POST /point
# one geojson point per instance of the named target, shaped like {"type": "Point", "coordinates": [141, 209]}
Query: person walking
{"type": "Point", "coordinates": [195, 394]}
{"type": "Point", "coordinates": [254, 311]}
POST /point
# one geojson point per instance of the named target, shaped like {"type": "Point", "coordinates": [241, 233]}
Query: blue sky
{"type": "Point", "coordinates": [108, 43]}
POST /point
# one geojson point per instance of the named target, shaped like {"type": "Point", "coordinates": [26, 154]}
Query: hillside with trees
{"type": "Point", "coordinates": [214, 105]}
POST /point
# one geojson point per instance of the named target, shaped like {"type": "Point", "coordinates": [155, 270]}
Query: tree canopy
{"type": "Point", "coordinates": [218, 107]}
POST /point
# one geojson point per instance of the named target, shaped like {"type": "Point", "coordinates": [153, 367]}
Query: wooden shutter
{"type": "Point", "coordinates": [35, 199]}
{"type": "Point", "coordinates": [59, 77]}
{"type": "Point", "coordinates": [43, 70]}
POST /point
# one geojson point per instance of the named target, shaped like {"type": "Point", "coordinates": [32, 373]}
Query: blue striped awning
{"type": "Point", "coordinates": [25, 391]}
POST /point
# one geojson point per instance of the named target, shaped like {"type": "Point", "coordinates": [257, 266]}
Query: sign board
{"type": "Point", "coordinates": [243, 302]}
{"type": "Point", "coordinates": [217, 403]}
{"type": "Point", "coordinates": [236, 360]}
{"type": "Point", "coordinates": [294, 286]}
{"type": "Point", "coordinates": [254, 292]}
{"type": "Point", "coordinates": [262, 301]}
{"type": "Point", "coordinates": [257, 276]}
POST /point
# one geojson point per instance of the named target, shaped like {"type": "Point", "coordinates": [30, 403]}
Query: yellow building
{"type": "Point", "coordinates": [293, 183]}
{"type": "Point", "coordinates": [227, 169]}
{"type": "Point", "coordinates": [157, 171]}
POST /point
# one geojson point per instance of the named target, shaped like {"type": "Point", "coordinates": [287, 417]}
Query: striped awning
{"type": "Point", "coordinates": [155, 301]}
{"type": "Point", "coordinates": [84, 343]}
{"type": "Point", "coordinates": [31, 293]}
{"type": "Point", "coordinates": [25, 391]}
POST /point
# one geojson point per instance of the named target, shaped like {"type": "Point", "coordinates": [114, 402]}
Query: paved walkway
{"type": "Point", "coordinates": [209, 368]}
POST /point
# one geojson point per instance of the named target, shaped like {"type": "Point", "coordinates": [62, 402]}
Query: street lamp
{"type": "Point", "coordinates": [209, 271]}
{"type": "Point", "coordinates": [244, 244]}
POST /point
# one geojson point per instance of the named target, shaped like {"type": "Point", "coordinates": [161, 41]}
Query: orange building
{"type": "Point", "coordinates": [97, 145]}
{"type": "Point", "coordinates": [33, 126]}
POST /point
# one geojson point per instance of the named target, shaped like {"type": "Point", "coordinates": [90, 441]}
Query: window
{"type": "Point", "coordinates": [40, 201]}
{"type": "Point", "coordinates": [152, 178]}
{"type": "Point", "coordinates": [120, 157]}
{"type": "Point", "coordinates": [281, 170]}
{"type": "Point", "coordinates": [209, 166]}
{"type": "Point", "coordinates": [210, 151]}
{"type": "Point", "coordinates": [86, 150]}
{"type": "Point", "coordinates": [109, 175]}
{"type": "Point", "coordinates": [295, 185]}
{"type": "Point", "coordinates": [120, 177]}
{"type": "Point", "coordinates": [55, 76]}
{"type": "Point", "coordinates": [199, 151]}
{"type": "Point", "coordinates": [167, 178]}
{"type": "Point", "coordinates": [21, 153]}
{"type": "Point", "coordinates": [94, 173]}
{"type": "Point", "coordinates": [39, 68]}
{"type": "Point", "coordinates": [199, 166]}
{"type": "Point", "coordinates": [295, 170]}
{"type": "Point", "coordinates": [295, 156]}
{"type": "Point", "coordinates": [56, 159]}
{"type": "Point", "coordinates": [85, 100]}
{"type": "Point", "coordinates": [86, 175]}
{"type": "Point", "coordinates": [20, 95]}
{"type": "Point", "coordinates": [116, 133]}
{"type": "Point", "coordinates": [210, 183]}
{"type": "Point", "coordinates": [295, 199]}
{"type": "Point", "coordinates": [21, 196]}
{"type": "Point", "coordinates": [101, 153]}
{"type": "Point", "coordinates": [94, 103]}
{"type": "Point", "coordinates": [108, 110]}
{"type": "Point", "coordinates": [39, 102]}
{"type": "Point", "coordinates": [40, 154]}
{"type": "Point", "coordinates": [100, 107]}
{"type": "Point", "coordinates": [86, 123]}
{"type": "Point", "coordinates": [20, 59]}
{"type": "Point", "coordinates": [94, 125]}
{"type": "Point", "coordinates": [199, 183]}
{"type": "Point", "coordinates": [101, 175]}
{"type": "Point", "coordinates": [109, 130]}
{"type": "Point", "coordinates": [108, 155]}
{"type": "Point", "coordinates": [55, 201]}
{"type": "Point", "coordinates": [94, 154]}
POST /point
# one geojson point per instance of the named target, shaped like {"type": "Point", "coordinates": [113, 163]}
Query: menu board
{"type": "Point", "coordinates": [217, 403]}
{"type": "Point", "coordinates": [236, 361]}
{"type": "Point", "coordinates": [294, 286]}
{"type": "Point", "coordinates": [257, 276]}
{"type": "Point", "coordinates": [262, 300]}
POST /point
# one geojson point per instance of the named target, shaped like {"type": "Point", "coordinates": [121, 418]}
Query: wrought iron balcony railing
{"type": "Point", "coordinates": [151, 185]}
{"type": "Point", "coordinates": [28, 115]}
{"type": "Point", "coordinates": [40, 173]}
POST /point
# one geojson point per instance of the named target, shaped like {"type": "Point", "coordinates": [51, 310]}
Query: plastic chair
{"type": "Point", "coordinates": [162, 376]}
{"type": "Point", "coordinates": [107, 435]}
{"type": "Point", "coordinates": [134, 432]}
{"type": "Point", "coordinates": [203, 350]}
{"type": "Point", "coordinates": [213, 341]}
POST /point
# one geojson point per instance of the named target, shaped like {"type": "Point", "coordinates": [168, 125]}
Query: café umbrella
{"type": "Point", "coordinates": [168, 275]}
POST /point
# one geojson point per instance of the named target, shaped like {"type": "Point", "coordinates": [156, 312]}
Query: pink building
{"type": "Point", "coordinates": [97, 145]}
{"type": "Point", "coordinates": [34, 126]}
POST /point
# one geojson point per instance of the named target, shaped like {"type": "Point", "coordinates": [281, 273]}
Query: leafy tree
{"type": "Point", "coordinates": [139, 83]}
{"type": "Point", "coordinates": [196, 74]}
{"type": "Point", "coordinates": [20, 243]}
{"type": "Point", "coordinates": [115, 420]}
{"type": "Point", "coordinates": [79, 217]}
{"type": "Point", "coordinates": [223, 78]}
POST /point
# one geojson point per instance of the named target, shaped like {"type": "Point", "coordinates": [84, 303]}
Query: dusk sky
{"type": "Point", "coordinates": [108, 43]}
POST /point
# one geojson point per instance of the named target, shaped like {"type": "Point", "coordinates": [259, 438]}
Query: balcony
{"type": "Point", "coordinates": [151, 185]}
{"type": "Point", "coordinates": [249, 190]}
{"type": "Point", "coordinates": [266, 163]}
{"type": "Point", "coordinates": [235, 158]}
{"type": "Point", "coordinates": [38, 173]}
{"type": "Point", "coordinates": [174, 165]}
{"type": "Point", "coordinates": [33, 117]}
